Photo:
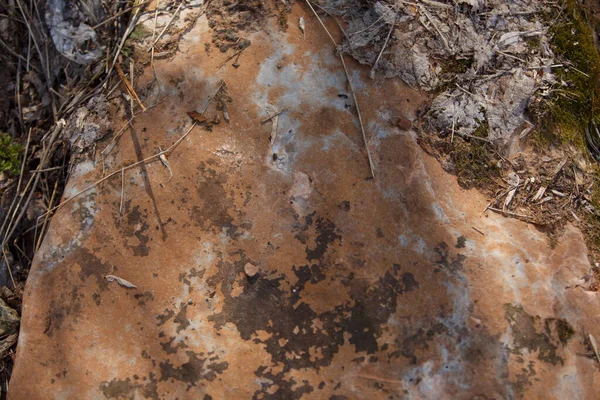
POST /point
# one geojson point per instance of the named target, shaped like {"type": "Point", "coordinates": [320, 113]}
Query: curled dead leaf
{"type": "Point", "coordinates": [165, 162]}
{"type": "Point", "coordinates": [196, 116]}
{"type": "Point", "coordinates": [120, 281]}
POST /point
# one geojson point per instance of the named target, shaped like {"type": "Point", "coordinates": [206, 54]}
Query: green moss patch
{"type": "Point", "coordinates": [563, 116]}
{"type": "Point", "coordinates": [9, 155]}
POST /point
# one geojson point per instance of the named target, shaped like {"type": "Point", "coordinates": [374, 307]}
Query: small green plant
{"type": "Point", "coordinates": [9, 155]}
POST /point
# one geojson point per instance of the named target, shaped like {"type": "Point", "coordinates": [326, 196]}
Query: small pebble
{"type": "Point", "coordinates": [250, 270]}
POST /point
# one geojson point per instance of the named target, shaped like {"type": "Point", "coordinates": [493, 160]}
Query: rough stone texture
{"type": "Point", "coordinates": [368, 288]}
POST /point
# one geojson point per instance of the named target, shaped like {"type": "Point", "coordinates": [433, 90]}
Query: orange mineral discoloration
{"type": "Point", "coordinates": [366, 288]}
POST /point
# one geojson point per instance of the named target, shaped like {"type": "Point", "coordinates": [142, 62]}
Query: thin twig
{"type": "Point", "coordinates": [39, 241]}
{"type": "Point", "coordinates": [11, 52]}
{"type": "Point", "coordinates": [382, 49]}
{"type": "Point", "coordinates": [33, 182]}
{"type": "Point", "coordinates": [117, 15]}
{"type": "Point", "coordinates": [146, 160]}
{"type": "Point", "coordinates": [132, 82]}
{"type": "Point", "coordinates": [511, 56]}
{"type": "Point", "coordinates": [24, 160]}
{"type": "Point", "coordinates": [8, 267]}
{"type": "Point", "coordinates": [237, 53]}
{"type": "Point", "coordinates": [362, 127]}
{"type": "Point", "coordinates": [365, 29]}
{"type": "Point", "coordinates": [219, 88]}
{"type": "Point", "coordinates": [512, 214]}
{"type": "Point", "coordinates": [378, 379]}
{"type": "Point", "coordinates": [478, 231]}
{"type": "Point", "coordinates": [436, 28]}
{"type": "Point", "coordinates": [122, 190]}
{"type": "Point", "coordinates": [130, 27]}
{"type": "Point", "coordinates": [166, 26]}
{"type": "Point", "coordinates": [39, 171]}
{"type": "Point", "coordinates": [273, 116]}
{"type": "Point", "coordinates": [153, 36]}
{"type": "Point", "coordinates": [35, 43]}
{"type": "Point", "coordinates": [453, 123]}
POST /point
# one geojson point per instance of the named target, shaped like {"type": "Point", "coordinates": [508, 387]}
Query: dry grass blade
{"type": "Point", "coordinates": [512, 214]}
{"type": "Point", "coordinates": [153, 36]}
{"type": "Point", "coordinates": [362, 127]}
{"type": "Point", "coordinates": [130, 88]}
{"type": "Point", "coordinates": [130, 27]}
{"type": "Point", "coordinates": [122, 190]}
{"type": "Point", "coordinates": [8, 267]}
{"type": "Point", "coordinates": [166, 26]}
{"type": "Point", "coordinates": [387, 38]}
{"type": "Point", "coordinates": [117, 15]}
{"type": "Point", "coordinates": [41, 236]}
{"type": "Point", "coordinates": [219, 88]}
{"type": "Point", "coordinates": [426, 13]}
{"type": "Point", "coordinates": [8, 229]}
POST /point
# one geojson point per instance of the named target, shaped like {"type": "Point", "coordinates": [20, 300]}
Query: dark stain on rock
{"type": "Point", "coordinates": [313, 274]}
{"type": "Point", "coordinates": [411, 344]}
{"type": "Point", "coordinates": [344, 205]}
{"type": "Point", "coordinates": [533, 334]}
{"type": "Point", "coordinates": [142, 298]}
{"type": "Point", "coordinates": [84, 214]}
{"type": "Point", "coordinates": [460, 242]}
{"type": "Point", "coordinates": [136, 219]}
{"type": "Point", "coordinates": [301, 229]}
{"type": "Point", "coordinates": [215, 204]}
{"type": "Point", "coordinates": [141, 249]}
{"type": "Point", "coordinates": [118, 388]}
{"type": "Point", "coordinates": [164, 317]}
{"type": "Point", "coordinates": [135, 226]}
{"type": "Point", "coordinates": [92, 266]}
{"type": "Point", "coordinates": [194, 370]}
{"type": "Point", "coordinates": [185, 277]}
{"type": "Point", "coordinates": [444, 261]}
{"type": "Point", "coordinates": [563, 329]}
{"type": "Point", "coordinates": [266, 306]}
{"type": "Point", "coordinates": [326, 234]}
{"type": "Point", "coordinates": [171, 348]}
{"type": "Point", "coordinates": [66, 308]}
{"type": "Point", "coordinates": [181, 318]}
{"type": "Point", "coordinates": [126, 388]}
{"type": "Point", "coordinates": [286, 389]}
{"type": "Point", "coordinates": [524, 379]}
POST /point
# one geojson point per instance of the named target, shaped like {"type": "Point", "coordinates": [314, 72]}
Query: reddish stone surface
{"type": "Point", "coordinates": [370, 289]}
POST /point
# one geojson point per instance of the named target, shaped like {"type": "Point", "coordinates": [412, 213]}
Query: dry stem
{"type": "Point", "coordinates": [362, 127]}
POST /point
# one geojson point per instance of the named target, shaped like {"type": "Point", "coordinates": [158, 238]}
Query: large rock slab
{"type": "Point", "coordinates": [397, 287]}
